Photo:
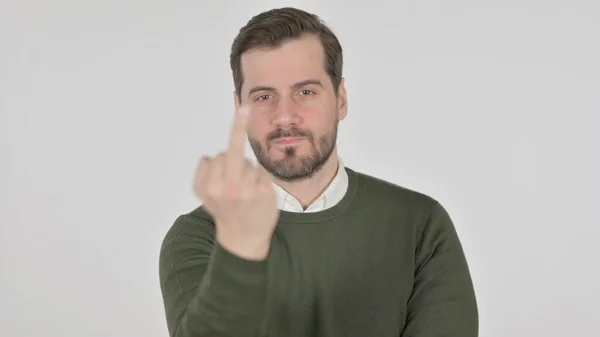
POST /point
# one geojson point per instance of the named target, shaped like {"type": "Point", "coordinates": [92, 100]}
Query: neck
{"type": "Point", "coordinates": [308, 190]}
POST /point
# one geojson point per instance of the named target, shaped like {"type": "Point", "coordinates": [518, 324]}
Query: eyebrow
{"type": "Point", "coordinates": [294, 86]}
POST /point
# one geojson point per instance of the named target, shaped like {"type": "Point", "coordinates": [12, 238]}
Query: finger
{"type": "Point", "coordinates": [263, 171]}
{"type": "Point", "coordinates": [251, 173]}
{"type": "Point", "coordinates": [215, 178]}
{"type": "Point", "coordinates": [264, 176]}
{"type": "Point", "coordinates": [235, 154]}
{"type": "Point", "coordinates": [201, 176]}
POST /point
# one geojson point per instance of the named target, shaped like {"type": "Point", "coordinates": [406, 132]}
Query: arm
{"type": "Point", "coordinates": [443, 302]}
{"type": "Point", "coordinates": [208, 291]}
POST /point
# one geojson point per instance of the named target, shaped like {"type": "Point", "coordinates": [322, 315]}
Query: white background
{"type": "Point", "coordinates": [491, 107]}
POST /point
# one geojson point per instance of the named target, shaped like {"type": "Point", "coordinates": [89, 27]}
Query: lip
{"type": "Point", "coordinates": [288, 140]}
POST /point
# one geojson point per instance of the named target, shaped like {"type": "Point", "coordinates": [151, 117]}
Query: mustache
{"type": "Point", "coordinates": [280, 133]}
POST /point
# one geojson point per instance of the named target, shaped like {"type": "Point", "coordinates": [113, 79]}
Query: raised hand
{"type": "Point", "coordinates": [239, 196]}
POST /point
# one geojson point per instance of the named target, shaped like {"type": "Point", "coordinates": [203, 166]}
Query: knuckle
{"type": "Point", "coordinates": [205, 162]}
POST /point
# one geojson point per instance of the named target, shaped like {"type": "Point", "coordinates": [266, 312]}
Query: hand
{"type": "Point", "coordinates": [239, 196]}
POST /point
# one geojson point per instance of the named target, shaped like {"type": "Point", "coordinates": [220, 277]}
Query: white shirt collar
{"type": "Point", "coordinates": [330, 197]}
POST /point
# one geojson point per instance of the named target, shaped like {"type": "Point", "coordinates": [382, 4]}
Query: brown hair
{"type": "Point", "coordinates": [274, 27]}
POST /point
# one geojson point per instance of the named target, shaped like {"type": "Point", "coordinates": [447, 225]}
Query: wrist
{"type": "Point", "coordinates": [247, 248]}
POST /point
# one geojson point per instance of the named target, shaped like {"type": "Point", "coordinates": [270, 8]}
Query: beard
{"type": "Point", "coordinates": [294, 167]}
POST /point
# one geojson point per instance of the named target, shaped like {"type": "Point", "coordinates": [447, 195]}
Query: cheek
{"type": "Point", "coordinates": [257, 128]}
{"type": "Point", "coordinates": [320, 119]}
{"type": "Point", "coordinates": [311, 105]}
{"type": "Point", "coordinates": [314, 105]}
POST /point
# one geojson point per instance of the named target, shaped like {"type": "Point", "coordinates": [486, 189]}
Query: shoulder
{"type": "Point", "coordinates": [384, 191]}
{"type": "Point", "coordinates": [412, 208]}
{"type": "Point", "coordinates": [194, 225]}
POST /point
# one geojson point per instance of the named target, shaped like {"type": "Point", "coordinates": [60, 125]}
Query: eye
{"type": "Point", "coordinates": [306, 92]}
{"type": "Point", "coordinates": [263, 97]}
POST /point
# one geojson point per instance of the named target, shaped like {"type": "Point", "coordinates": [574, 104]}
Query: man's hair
{"type": "Point", "coordinates": [272, 28]}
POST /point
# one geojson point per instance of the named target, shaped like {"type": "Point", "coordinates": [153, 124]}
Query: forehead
{"type": "Point", "coordinates": [293, 61]}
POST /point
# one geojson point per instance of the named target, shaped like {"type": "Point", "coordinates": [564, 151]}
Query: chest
{"type": "Point", "coordinates": [336, 277]}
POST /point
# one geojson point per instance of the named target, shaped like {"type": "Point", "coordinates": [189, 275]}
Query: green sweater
{"type": "Point", "coordinates": [383, 262]}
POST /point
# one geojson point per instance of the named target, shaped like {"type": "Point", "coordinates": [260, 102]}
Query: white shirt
{"type": "Point", "coordinates": [331, 196]}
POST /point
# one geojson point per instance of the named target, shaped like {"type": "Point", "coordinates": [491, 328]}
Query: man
{"type": "Point", "coordinates": [300, 245]}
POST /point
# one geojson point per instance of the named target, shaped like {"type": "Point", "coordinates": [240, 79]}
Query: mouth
{"type": "Point", "coordinates": [287, 141]}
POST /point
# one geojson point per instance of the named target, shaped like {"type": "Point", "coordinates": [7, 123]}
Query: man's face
{"type": "Point", "coordinates": [295, 112]}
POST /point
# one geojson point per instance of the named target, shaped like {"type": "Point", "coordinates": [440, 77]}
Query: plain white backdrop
{"type": "Point", "coordinates": [491, 107]}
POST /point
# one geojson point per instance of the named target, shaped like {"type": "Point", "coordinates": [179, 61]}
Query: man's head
{"type": "Point", "coordinates": [287, 66]}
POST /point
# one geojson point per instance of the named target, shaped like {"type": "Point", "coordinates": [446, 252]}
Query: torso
{"type": "Point", "coordinates": [340, 279]}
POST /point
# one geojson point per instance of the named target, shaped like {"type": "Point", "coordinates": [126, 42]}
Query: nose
{"type": "Point", "coordinates": [286, 113]}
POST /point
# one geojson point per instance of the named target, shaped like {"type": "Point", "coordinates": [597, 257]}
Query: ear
{"type": "Point", "coordinates": [342, 100]}
{"type": "Point", "coordinates": [236, 101]}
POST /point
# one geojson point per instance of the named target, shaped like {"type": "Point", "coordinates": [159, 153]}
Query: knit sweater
{"type": "Point", "coordinates": [385, 261]}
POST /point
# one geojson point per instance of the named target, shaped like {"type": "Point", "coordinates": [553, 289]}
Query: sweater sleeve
{"type": "Point", "coordinates": [206, 290]}
{"type": "Point", "coordinates": [443, 302]}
